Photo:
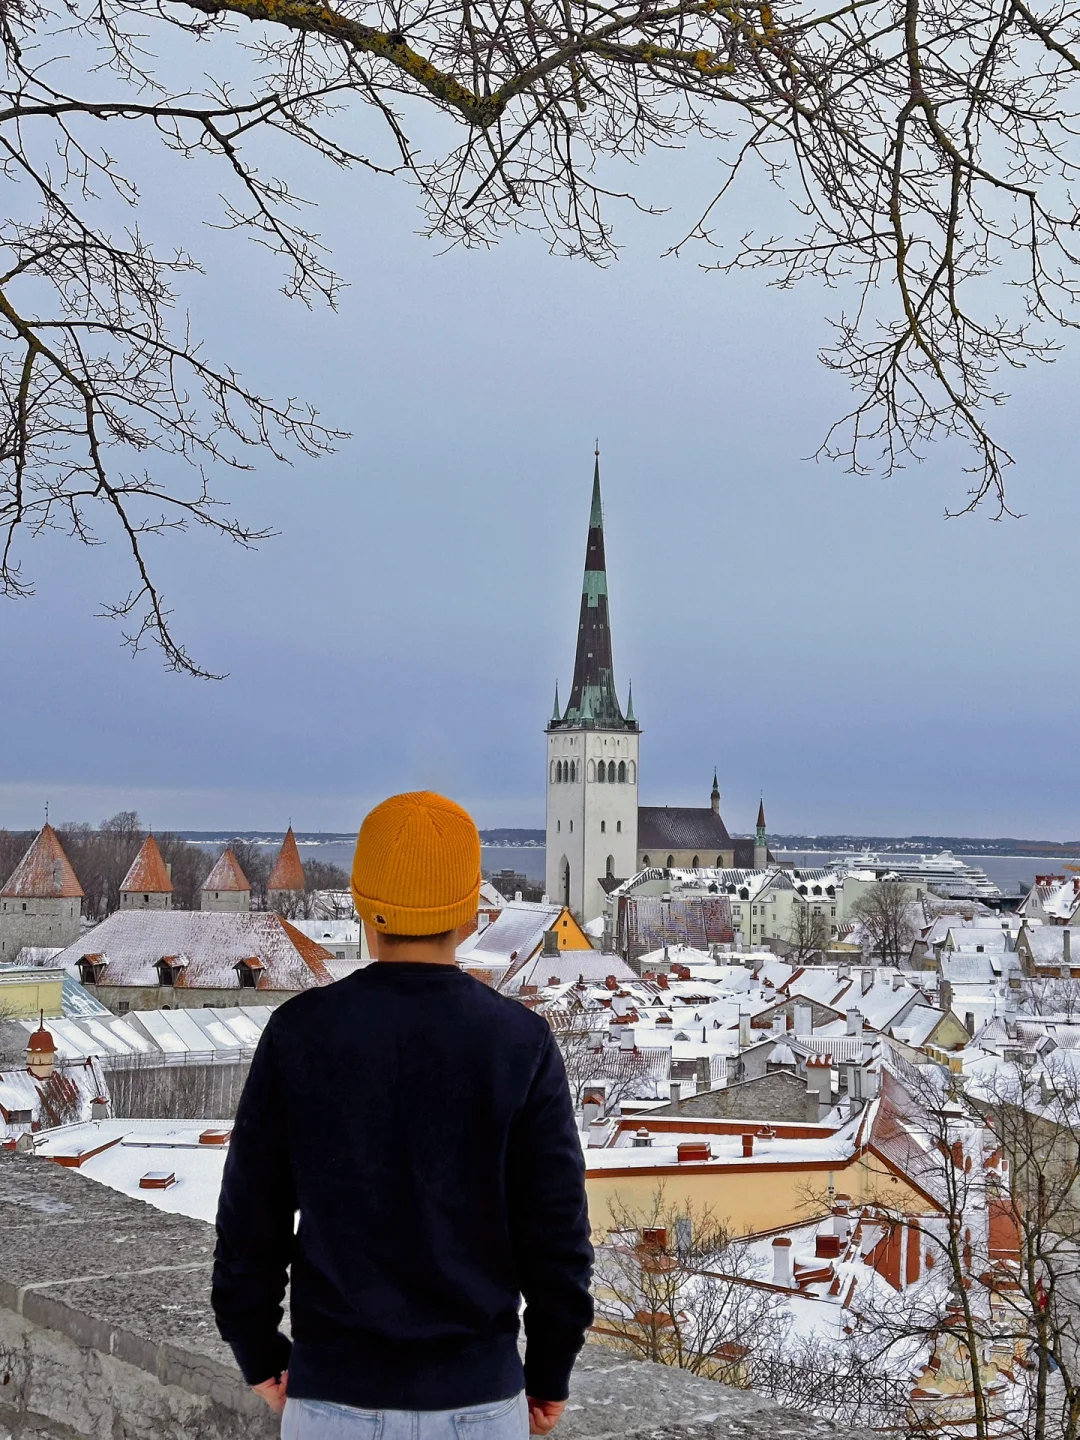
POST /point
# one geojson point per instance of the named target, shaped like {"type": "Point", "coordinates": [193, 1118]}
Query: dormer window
{"type": "Point", "coordinates": [170, 968]}
{"type": "Point", "coordinates": [249, 973]}
{"type": "Point", "coordinates": [91, 968]}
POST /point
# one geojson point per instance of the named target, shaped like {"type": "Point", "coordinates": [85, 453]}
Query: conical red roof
{"type": "Point", "coordinates": [44, 872]}
{"type": "Point", "coordinates": [148, 872]}
{"type": "Point", "coordinates": [226, 875]}
{"type": "Point", "coordinates": [288, 873]}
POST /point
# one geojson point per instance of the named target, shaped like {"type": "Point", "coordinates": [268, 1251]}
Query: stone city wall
{"type": "Point", "coordinates": [106, 1331]}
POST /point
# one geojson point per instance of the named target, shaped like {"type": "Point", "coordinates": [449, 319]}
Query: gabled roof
{"type": "Point", "coordinates": [681, 827]}
{"type": "Point", "coordinates": [44, 872]}
{"type": "Point", "coordinates": [148, 873]}
{"type": "Point", "coordinates": [226, 874]}
{"type": "Point", "coordinates": [288, 873]}
{"type": "Point", "coordinates": [132, 943]}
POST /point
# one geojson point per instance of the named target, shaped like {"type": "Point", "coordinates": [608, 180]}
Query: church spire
{"type": "Point", "coordinates": [593, 701]}
{"type": "Point", "coordinates": [556, 714]}
{"type": "Point", "coordinates": [715, 796]}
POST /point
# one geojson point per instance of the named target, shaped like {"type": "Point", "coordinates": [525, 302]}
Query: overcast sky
{"type": "Point", "coordinates": [829, 641]}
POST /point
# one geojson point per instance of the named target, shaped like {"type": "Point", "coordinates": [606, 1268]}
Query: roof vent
{"type": "Point", "coordinates": [694, 1150]}
{"type": "Point", "coordinates": [157, 1180]}
{"type": "Point", "coordinates": [214, 1136]}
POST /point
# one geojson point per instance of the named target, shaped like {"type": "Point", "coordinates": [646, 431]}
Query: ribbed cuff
{"type": "Point", "coordinates": [547, 1370]}
{"type": "Point", "coordinates": [261, 1360]}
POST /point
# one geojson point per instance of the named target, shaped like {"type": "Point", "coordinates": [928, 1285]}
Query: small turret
{"type": "Point", "coordinates": [41, 1052]}
{"type": "Point", "coordinates": [761, 846]}
{"type": "Point", "coordinates": [147, 884]}
{"type": "Point", "coordinates": [715, 796]}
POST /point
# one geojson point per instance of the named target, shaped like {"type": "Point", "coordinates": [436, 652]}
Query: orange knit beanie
{"type": "Point", "coordinates": [417, 866]}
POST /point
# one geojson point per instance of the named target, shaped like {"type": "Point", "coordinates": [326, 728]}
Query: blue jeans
{"type": "Point", "coordinates": [320, 1420]}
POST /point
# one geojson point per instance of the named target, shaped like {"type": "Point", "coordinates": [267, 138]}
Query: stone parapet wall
{"type": "Point", "coordinates": [106, 1332]}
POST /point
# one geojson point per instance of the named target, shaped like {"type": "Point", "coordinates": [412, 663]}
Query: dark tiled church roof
{"type": "Point", "coordinates": [681, 827]}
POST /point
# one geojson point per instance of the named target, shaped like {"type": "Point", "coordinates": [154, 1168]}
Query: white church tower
{"type": "Point", "coordinates": [592, 753]}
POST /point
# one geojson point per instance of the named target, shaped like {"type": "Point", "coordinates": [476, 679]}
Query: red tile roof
{"type": "Point", "coordinates": [148, 872]}
{"type": "Point", "coordinates": [227, 875]}
{"type": "Point", "coordinates": [288, 873]}
{"type": "Point", "coordinates": [44, 872]}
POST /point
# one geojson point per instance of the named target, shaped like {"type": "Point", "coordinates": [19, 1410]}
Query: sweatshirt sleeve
{"type": "Point", "coordinates": [255, 1224]}
{"type": "Point", "coordinates": [549, 1227]}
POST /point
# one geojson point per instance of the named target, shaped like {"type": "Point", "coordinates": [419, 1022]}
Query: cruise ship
{"type": "Point", "coordinates": [945, 874]}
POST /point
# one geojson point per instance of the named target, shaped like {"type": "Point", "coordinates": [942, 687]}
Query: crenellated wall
{"type": "Point", "coordinates": [106, 1332]}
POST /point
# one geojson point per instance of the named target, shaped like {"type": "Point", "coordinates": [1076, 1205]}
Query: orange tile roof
{"type": "Point", "coordinates": [226, 874]}
{"type": "Point", "coordinates": [288, 873]}
{"type": "Point", "coordinates": [44, 872]}
{"type": "Point", "coordinates": [148, 872]}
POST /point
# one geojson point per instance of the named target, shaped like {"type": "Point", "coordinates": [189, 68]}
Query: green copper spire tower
{"type": "Point", "coordinates": [593, 701]}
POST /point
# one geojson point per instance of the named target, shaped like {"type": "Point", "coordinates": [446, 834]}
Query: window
{"type": "Point", "coordinates": [558, 772]}
{"type": "Point", "coordinates": [558, 826]}
{"type": "Point", "coordinates": [644, 859]}
{"type": "Point", "coordinates": [618, 827]}
{"type": "Point", "coordinates": [146, 899]}
{"type": "Point", "coordinates": [631, 773]}
{"type": "Point", "coordinates": [571, 827]}
{"type": "Point", "coordinates": [592, 771]}
{"type": "Point", "coordinates": [603, 827]}
{"type": "Point", "coordinates": [696, 864]}
{"type": "Point", "coordinates": [622, 772]}
{"type": "Point", "coordinates": [601, 772]}
{"type": "Point", "coordinates": [553, 772]}
{"type": "Point", "coordinates": [611, 771]}
{"type": "Point", "coordinates": [719, 862]}
{"type": "Point", "coordinates": [123, 1006]}
{"type": "Point", "coordinates": [610, 866]}
{"type": "Point", "coordinates": [670, 861]}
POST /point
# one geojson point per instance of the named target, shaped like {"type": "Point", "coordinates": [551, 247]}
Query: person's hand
{"type": "Point", "coordinates": [273, 1392]}
{"type": "Point", "coordinates": [544, 1415]}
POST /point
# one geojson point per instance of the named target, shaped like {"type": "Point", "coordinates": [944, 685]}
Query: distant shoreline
{"type": "Point", "coordinates": [1007, 847]}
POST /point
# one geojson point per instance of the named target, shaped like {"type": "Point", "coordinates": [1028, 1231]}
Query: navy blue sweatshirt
{"type": "Point", "coordinates": [421, 1125]}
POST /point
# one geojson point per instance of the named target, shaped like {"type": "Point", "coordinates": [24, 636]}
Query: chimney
{"type": "Point", "coordinates": [704, 1073]}
{"type": "Point", "coordinates": [1066, 945]}
{"type": "Point", "coordinates": [675, 1091]}
{"type": "Point", "coordinates": [867, 979]}
{"type": "Point", "coordinates": [828, 1246]}
{"type": "Point", "coordinates": [747, 1146]}
{"type": "Point", "coordinates": [662, 981]}
{"type": "Point", "coordinates": [642, 1139]}
{"type": "Point", "coordinates": [626, 1039]}
{"type": "Point", "coordinates": [744, 1031]}
{"type": "Point", "coordinates": [969, 1021]}
{"type": "Point", "coordinates": [517, 895]}
{"type": "Point", "coordinates": [551, 942]}
{"type": "Point", "coordinates": [783, 1269]}
{"type": "Point", "coordinates": [598, 1133]}
{"type": "Point", "coordinates": [804, 1020]}
{"type": "Point", "coordinates": [854, 1022]}
{"type": "Point", "coordinates": [898, 981]}
{"type": "Point", "coordinates": [842, 1216]}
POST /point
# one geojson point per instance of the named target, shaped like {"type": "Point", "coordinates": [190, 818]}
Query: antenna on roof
{"type": "Point", "coordinates": [46, 812]}
{"type": "Point", "coordinates": [596, 447]}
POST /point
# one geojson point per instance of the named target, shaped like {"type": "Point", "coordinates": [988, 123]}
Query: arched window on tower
{"type": "Point", "coordinates": [611, 771]}
{"type": "Point", "coordinates": [573, 771]}
{"type": "Point", "coordinates": [631, 772]}
{"type": "Point", "coordinates": [618, 826]}
{"type": "Point", "coordinates": [591, 771]}
{"type": "Point", "coordinates": [603, 827]}
{"type": "Point", "coordinates": [719, 862]}
{"type": "Point", "coordinates": [558, 772]}
{"type": "Point", "coordinates": [670, 861]}
{"type": "Point", "coordinates": [553, 772]}
{"type": "Point", "coordinates": [697, 863]}
{"type": "Point", "coordinates": [622, 772]}
{"type": "Point", "coordinates": [601, 772]}
{"type": "Point", "coordinates": [610, 866]}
